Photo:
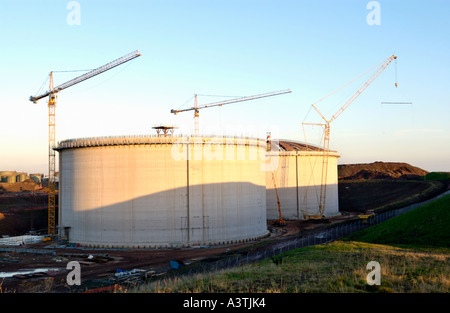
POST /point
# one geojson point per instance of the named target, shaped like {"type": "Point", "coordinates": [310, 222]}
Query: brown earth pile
{"type": "Point", "coordinates": [380, 170]}
{"type": "Point", "coordinates": [27, 185]}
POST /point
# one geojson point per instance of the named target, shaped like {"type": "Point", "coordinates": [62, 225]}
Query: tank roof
{"type": "Point", "coordinates": [292, 147]}
{"type": "Point", "coordinates": [154, 139]}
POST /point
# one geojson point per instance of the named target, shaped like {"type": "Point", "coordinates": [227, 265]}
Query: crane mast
{"type": "Point", "coordinates": [326, 136]}
{"type": "Point", "coordinates": [51, 93]}
{"type": "Point", "coordinates": [196, 107]}
{"type": "Point", "coordinates": [51, 159]}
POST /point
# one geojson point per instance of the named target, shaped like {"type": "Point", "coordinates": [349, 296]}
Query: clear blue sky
{"type": "Point", "coordinates": [230, 48]}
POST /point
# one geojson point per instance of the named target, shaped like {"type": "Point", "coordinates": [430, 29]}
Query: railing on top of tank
{"type": "Point", "coordinates": [145, 139]}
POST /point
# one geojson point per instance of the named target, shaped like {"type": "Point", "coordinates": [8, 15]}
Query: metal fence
{"type": "Point", "coordinates": [326, 234]}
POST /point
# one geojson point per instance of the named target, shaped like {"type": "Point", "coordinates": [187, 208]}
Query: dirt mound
{"type": "Point", "coordinates": [27, 185]}
{"type": "Point", "coordinates": [380, 170]}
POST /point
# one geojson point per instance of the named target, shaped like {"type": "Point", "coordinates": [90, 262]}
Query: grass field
{"type": "Point", "coordinates": [338, 267]}
{"type": "Point", "coordinates": [436, 176]}
{"type": "Point", "coordinates": [412, 249]}
{"type": "Point", "coordinates": [424, 227]}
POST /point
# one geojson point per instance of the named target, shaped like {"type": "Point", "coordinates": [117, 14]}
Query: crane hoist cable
{"type": "Point", "coordinates": [49, 75]}
{"type": "Point", "coordinates": [342, 87]}
{"type": "Point", "coordinates": [326, 125]}
{"type": "Point", "coordinates": [396, 81]}
{"type": "Point", "coordinates": [196, 108]}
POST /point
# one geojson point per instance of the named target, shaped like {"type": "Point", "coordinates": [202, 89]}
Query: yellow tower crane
{"type": "Point", "coordinates": [51, 93]}
{"type": "Point", "coordinates": [196, 107]}
{"type": "Point", "coordinates": [326, 133]}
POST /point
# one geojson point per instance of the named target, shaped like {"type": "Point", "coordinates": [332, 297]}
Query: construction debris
{"type": "Point", "coordinates": [175, 264]}
{"type": "Point", "coordinates": [20, 240]}
{"type": "Point", "coordinates": [132, 277]}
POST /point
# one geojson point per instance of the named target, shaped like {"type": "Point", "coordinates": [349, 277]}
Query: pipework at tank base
{"type": "Point", "coordinates": [170, 246]}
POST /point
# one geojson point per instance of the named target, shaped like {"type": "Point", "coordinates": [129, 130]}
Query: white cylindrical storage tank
{"type": "Point", "coordinates": [162, 191]}
{"type": "Point", "coordinates": [10, 179]}
{"type": "Point", "coordinates": [7, 173]}
{"type": "Point", "coordinates": [36, 177]}
{"type": "Point", "coordinates": [21, 177]}
{"type": "Point", "coordinates": [298, 179]}
{"type": "Point", "coordinates": [5, 176]}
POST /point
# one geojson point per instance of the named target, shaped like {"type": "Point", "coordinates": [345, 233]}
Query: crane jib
{"type": "Point", "coordinates": [220, 103]}
{"type": "Point", "coordinates": [88, 75]}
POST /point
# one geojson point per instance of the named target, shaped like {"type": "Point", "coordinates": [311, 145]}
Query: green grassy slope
{"type": "Point", "coordinates": [421, 263]}
{"type": "Point", "coordinates": [337, 267]}
{"type": "Point", "coordinates": [426, 226]}
{"type": "Point", "coordinates": [437, 176]}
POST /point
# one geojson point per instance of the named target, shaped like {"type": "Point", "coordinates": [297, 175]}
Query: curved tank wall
{"type": "Point", "coordinates": [36, 177]}
{"type": "Point", "coordinates": [298, 178]}
{"type": "Point", "coordinates": [7, 173]}
{"type": "Point", "coordinates": [21, 177]}
{"type": "Point", "coordinates": [162, 191]}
